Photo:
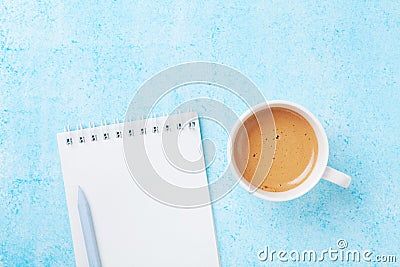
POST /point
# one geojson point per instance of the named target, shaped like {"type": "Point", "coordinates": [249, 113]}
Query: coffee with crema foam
{"type": "Point", "coordinates": [293, 147]}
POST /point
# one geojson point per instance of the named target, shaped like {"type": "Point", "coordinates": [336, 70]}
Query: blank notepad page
{"type": "Point", "coordinates": [132, 228]}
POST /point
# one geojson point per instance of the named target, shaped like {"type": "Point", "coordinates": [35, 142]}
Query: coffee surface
{"type": "Point", "coordinates": [294, 157]}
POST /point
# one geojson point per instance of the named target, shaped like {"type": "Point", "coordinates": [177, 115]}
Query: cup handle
{"type": "Point", "coordinates": [336, 177]}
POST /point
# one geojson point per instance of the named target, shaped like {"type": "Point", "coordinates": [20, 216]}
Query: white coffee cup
{"type": "Point", "coordinates": [320, 170]}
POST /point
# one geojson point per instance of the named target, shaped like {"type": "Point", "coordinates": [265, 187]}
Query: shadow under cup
{"type": "Point", "coordinates": [275, 149]}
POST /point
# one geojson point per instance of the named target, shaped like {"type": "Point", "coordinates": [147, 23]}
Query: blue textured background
{"type": "Point", "coordinates": [71, 61]}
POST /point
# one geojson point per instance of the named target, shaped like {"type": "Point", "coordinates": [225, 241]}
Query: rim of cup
{"type": "Point", "coordinates": [320, 165]}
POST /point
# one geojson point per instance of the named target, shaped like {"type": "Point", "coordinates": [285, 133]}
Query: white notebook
{"type": "Point", "coordinates": [132, 228]}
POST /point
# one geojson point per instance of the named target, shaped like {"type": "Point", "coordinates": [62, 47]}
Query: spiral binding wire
{"type": "Point", "coordinates": [118, 127]}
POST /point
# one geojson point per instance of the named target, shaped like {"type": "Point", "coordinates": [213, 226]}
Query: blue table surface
{"type": "Point", "coordinates": [81, 61]}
